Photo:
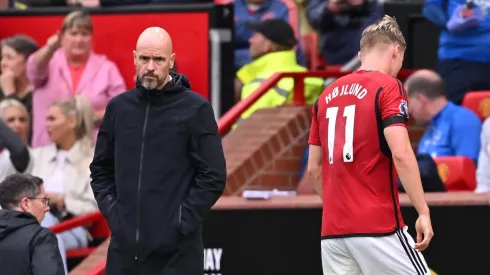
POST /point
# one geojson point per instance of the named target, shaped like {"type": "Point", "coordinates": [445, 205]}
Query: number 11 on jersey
{"type": "Point", "coordinates": [349, 115]}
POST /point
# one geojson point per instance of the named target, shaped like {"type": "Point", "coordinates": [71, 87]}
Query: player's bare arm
{"type": "Point", "coordinates": [408, 171]}
{"type": "Point", "coordinates": [314, 172]}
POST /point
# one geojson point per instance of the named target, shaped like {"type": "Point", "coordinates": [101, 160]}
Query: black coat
{"type": "Point", "coordinates": [158, 169]}
{"type": "Point", "coordinates": [27, 248]}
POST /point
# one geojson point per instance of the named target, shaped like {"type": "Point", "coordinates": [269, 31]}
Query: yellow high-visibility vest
{"type": "Point", "coordinates": [259, 70]}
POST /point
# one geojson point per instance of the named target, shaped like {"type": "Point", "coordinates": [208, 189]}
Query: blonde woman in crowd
{"type": "Point", "coordinates": [67, 66]}
{"type": "Point", "coordinates": [14, 132]}
{"type": "Point", "coordinates": [64, 166]}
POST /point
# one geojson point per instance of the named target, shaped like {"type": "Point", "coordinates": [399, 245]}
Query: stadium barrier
{"type": "Point", "coordinates": [94, 222]}
{"type": "Point", "coordinates": [230, 117]}
{"type": "Point", "coordinates": [282, 235]}
{"type": "Point", "coordinates": [84, 220]}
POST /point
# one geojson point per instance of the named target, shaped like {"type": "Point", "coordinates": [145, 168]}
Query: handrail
{"type": "Point", "coordinates": [76, 222]}
{"type": "Point", "coordinates": [228, 119]}
{"type": "Point", "coordinates": [351, 65]}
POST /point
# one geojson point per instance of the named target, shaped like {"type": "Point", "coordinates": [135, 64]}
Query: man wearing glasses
{"type": "Point", "coordinates": [25, 246]}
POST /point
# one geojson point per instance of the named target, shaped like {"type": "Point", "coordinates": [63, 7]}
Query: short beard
{"type": "Point", "coordinates": [151, 85]}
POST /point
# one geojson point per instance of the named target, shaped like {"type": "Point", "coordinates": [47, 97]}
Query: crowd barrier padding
{"type": "Point", "coordinates": [282, 235]}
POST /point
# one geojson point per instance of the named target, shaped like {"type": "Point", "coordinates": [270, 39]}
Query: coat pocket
{"type": "Point", "coordinates": [111, 206]}
{"type": "Point", "coordinates": [112, 218]}
{"type": "Point", "coordinates": [179, 220]}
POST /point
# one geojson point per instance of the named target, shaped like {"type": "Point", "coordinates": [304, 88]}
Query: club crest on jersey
{"type": "Point", "coordinates": [403, 108]}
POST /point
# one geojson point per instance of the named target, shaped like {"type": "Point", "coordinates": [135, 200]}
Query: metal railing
{"type": "Point", "coordinates": [228, 119]}
{"type": "Point", "coordinates": [72, 223]}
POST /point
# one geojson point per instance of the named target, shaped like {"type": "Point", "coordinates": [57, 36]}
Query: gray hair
{"type": "Point", "coordinates": [11, 102]}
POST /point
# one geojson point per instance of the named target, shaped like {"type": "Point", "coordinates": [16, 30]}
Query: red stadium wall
{"type": "Point", "coordinates": [115, 35]}
{"type": "Point", "coordinates": [270, 158]}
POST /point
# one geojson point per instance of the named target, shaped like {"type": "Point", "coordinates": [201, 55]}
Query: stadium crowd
{"type": "Point", "coordinates": [53, 93]}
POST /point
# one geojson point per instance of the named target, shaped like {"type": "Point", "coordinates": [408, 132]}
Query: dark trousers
{"type": "Point", "coordinates": [461, 77]}
{"type": "Point", "coordinates": [188, 259]}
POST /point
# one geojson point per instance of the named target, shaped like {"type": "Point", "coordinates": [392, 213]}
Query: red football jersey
{"type": "Point", "coordinates": [360, 194]}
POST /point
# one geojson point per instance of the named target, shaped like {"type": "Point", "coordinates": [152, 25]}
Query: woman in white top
{"type": "Point", "coordinates": [14, 133]}
{"type": "Point", "coordinates": [483, 169]}
{"type": "Point", "coordinates": [64, 166]}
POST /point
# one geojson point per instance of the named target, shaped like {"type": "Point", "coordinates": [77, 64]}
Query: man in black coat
{"type": "Point", "coordinates": [158, 167]}
{"type": "Point", "coordinates": [25, 246]}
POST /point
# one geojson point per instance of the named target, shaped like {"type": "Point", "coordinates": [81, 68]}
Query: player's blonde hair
{"type": "Point", "coordinates": [383, 31]}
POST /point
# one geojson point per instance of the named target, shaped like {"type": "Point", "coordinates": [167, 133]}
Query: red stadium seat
{"type": "Point", "coordinates": [478, 102]}
{"type": "Point", "coordinates": [457, 173]}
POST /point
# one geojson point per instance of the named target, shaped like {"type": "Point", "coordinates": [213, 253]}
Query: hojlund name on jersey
{"type": "Point", "coordinates": [349, 89]}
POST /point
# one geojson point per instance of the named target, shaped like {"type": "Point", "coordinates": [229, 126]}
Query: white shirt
{"type": "Point", "coordinates": [6, 166]}
{"type": "Point", "coordinates": [56, 183]}
{"type": "Point", "coordinates": [483, 169]}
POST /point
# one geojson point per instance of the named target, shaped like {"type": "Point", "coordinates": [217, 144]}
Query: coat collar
{"type": "Point", "coordinates": [74, 154]}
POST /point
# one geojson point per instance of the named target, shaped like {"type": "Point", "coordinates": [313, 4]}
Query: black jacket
{"type": "Point", "coordinates": [158, 166]}
{"type": "Point", "coordinates": [26, 247]}
{"type": "Point", "coordinates": [19, 153]}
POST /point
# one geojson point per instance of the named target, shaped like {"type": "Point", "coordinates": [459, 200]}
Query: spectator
{"type": "Point", "coordinates": [64, 164]}
{"type": "Point", "coordinates": [271, 47]}
{"type": "Point", "coordinates": [340, 24]}
{"type": "Point", "coordinates": [25, 246]}
{"type": "Point", "coordinates": [452, 130]}
{"type": "Point", "coordinates": [247, 11]}
{"type": "Point", "coordinates": [17, 4]}
{"type": "Point", "coordinates": [483, 169]}
{"type": "Point", "coordinates": [74, 69]}
{"type": "Point", "coordinates": [14, 82]}
{"type": "Point", "coordinates": [14, 130]}
{"type": "Point", "coordinates": [464, 44]}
